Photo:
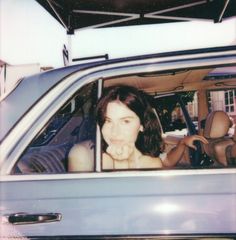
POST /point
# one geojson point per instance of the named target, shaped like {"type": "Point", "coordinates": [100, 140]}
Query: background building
{"type": "Point", "coordinates": [10, 75]}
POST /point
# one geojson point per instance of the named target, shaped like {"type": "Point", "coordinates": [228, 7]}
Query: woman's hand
{"type": "Point", "coordinates": [120, 152]}
{"type": "Point", "coordinates": [189, 141]}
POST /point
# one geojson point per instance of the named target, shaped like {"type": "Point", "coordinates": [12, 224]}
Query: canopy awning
{"type": "Point", "coordinates": [80, 14]}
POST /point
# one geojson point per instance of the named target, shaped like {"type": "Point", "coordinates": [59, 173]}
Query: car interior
{"type": "Point", "coordinates": [216, 131]}
{"type": "Point", "coordinates": [75, 123]}
{"type": "Point", "coordinates": [200, 81]}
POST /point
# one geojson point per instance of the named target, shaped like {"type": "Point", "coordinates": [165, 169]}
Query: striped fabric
{"type": "Point", "coordinates": [49, 159]}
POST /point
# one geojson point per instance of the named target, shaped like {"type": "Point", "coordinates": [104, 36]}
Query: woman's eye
{"type": "Point", "coordinates": [126, 121]}
{"type": "Point", "coordinates": [107, 121]}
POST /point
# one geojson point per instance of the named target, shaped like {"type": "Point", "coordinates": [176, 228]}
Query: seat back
{"type": "Point", "coordinates": [231, 155]}
{"type": "Point", "coordinates": [231, 150]}
{"type": "Point", "coordinates": [216, 131]}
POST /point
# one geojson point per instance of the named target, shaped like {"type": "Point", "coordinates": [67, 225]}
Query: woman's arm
{"type": "Point", "coordinates": [81, 157]}
{"type": "Point", "coordinates": [175, 154]}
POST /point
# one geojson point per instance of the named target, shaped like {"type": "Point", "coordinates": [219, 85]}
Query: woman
{"type": "Point", "coordinates": [131, 135]}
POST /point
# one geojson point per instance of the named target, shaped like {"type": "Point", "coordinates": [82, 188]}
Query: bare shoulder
{"type": "Point", "coordinates": [81, 157]}
{"type": "Point", "coordinates": [150, 162]}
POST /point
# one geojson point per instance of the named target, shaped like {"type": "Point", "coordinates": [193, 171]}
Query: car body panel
{"type": "Point", "coordinates": [157, 203]}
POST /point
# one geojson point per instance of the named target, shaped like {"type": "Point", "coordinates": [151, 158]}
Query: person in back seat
{"type": "Point", "coordinates": [131, 135]}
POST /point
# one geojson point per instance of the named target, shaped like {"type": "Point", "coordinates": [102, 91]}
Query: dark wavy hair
{"type": "Point", "coordinates": [149, 142]}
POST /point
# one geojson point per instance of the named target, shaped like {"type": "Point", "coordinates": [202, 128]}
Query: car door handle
{"type": "Point", "coordinates": [25, 218]}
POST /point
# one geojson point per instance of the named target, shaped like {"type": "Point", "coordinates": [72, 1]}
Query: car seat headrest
{"type": "Point", "coordinates": [217, 125]}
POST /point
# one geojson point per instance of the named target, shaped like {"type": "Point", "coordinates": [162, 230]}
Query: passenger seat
{"type": "Point", "coordinates": [231, 151]}
{"type": "Point", "coordinates": [216, 132]}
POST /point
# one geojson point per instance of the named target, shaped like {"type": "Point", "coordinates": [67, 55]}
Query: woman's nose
{"type": "Point", "coordinates": [115, 129]}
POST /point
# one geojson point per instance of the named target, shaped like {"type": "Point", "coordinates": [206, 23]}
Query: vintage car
{"type": "Point", "coordinates": [47, 114]}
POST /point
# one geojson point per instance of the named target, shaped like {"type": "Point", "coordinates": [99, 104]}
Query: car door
{"type": "Point", "coordinates": [111, 204]}
{"type": "Point", "coordinates": [158, 203]}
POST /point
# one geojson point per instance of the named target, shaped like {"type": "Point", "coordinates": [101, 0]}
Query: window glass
{"type": "Point", "coordinates": [73, 124]}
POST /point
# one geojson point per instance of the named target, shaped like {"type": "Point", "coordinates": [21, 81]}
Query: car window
{"type": "Point", "coordinates": [74, 123]}
{"type": "Point", "coordinates": [74, 126]}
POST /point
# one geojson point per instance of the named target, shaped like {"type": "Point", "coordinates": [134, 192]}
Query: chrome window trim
{"type": "Point", "coordinates": [119, 174]}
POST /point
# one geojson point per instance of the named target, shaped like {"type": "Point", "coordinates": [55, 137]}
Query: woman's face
{"type": "Point", "coordinates": [121, 126]}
